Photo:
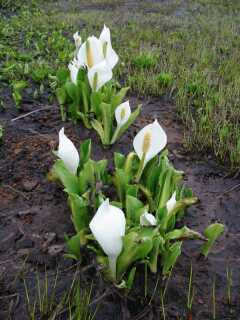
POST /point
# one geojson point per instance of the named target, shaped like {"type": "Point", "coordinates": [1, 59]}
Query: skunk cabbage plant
{"type": "Point", "coordinates": [87, 92]}
{"type": "Point", "coordinates": [143, 222]}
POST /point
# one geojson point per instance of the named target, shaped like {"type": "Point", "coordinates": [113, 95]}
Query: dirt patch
{"type": "Point", "coordinates": [34, 217]}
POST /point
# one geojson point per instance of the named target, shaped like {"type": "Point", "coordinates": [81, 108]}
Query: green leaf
{"type": "Point", "coordinates": [80, 215]}
{"type": "Point", "coordinates": [82, 75]}
{"type": "Point", "coordinates": [85, 151]}
{"type": "Point", "coordinates": [85, 97]}
{"type": "Point", "coordinates": [121, 181]}
{"type": "Point", "coordinates": [100, 168]}
{"type": "Point", "coordinates": [117, 99]}
{"type": "Point", "coordinates": [73, 246]}
{"type": "Point", "coordinates": [183, 233]}
{"type": "Point", "coordinates": [96, 100]}
{"type": "Point", "coordinates": [151, 175]}
{"type": "Point", "coordinates": [72, 91]}
{"type": "Point", "coordinates": [87, 177]}
{"type": "Point", "coordinates": [166, 189]}
{"type": "Point", "coordinates": [61, 95]}
{"type": "Point", "coordinates": [130, 278]}
{"type": "Point", "coordinates": [106, 121]}
{"type": "Point", "coordinates": [212, 232]}
{"type": "Point", "coordinates": [134, 209]}
{"type": "Point", "coordinates": [170, 255]}
{"type": "Point", "coordinates": [119, 160]}
{"type": "Point", "coordinates": [62, 75]}
{"type": "Point", "coordinates": [132, 190]}
{"type": "Point", "coordinates": [120, 130]}
{"type": "Point", "coordinates": [136, 246]}
{"type": "Point", "coordinates": [153, 256]}
{"type": "Point", "coordinates": [68, 180]}
{"type": "Point", "coordinates": [98, 127]}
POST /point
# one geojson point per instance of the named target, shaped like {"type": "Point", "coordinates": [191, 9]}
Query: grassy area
{"type": "Point", "coordinates": [187, 50]}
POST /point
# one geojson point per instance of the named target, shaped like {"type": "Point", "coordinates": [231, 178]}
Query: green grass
{"type": "Point", "coordinates": [44, 302]}
{"type": "Point", "coordinates": [188, 52]}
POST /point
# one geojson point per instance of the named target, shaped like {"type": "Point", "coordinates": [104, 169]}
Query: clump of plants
{"type": "Point", "coordinates": [87, 91]}
{"type": "Point", "coordinates": [133, 215]}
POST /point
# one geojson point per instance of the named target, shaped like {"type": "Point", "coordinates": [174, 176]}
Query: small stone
{"type": "Point", "coordinates": [29, 185]}
{"type": "Point", "coordinates": [55, 249]}
{"type": "Point", "coordinates": [50, 236]}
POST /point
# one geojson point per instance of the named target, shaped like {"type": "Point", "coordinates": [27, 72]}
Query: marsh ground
{"type": "Point", "coordinates": [167, 49]}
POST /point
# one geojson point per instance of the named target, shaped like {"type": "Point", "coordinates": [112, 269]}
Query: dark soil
{"type": "Point", "coordinates": [34, 217]}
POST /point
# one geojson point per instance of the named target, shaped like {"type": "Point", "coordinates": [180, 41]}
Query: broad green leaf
{"type": "Point", "coordinates": [80, 215]}
{"type": "Point", "coordinates": [133, 212]}
{"type": "Point", "coordinates": [119, 160]}
{"type": "Point", "coordinates": [98, 127]}
{"type": "Point", "coordinates": [62, 75]}
{"type": "Point", "coordinates": [117, 99]}
{"type": "Point", "coordinates": [106, 113]}
{"type": "Point", "coordinates": [68, 180]}
{"type": "Point", "coordinates": [132, 190]}
{"type": "Point", "coordinates": [212, 232]}
{"type": "Point", "coordinates": [73, 246]}
{"type": "Point", "coordinates": [166, 189]}
{"type": "Point", "coordinates": [136, 246]}
{"type": "Point", "coordinates": [96, 100]}
{"type": "Point", "coordinates": [100, 168]}
{"type": "Point", "coordinates": [121, 181]}
{"type": "Point", "coordinates": [61, 95]}
{"type": "Point", "coordinates": [87, 177]}
{"type": "Point", "coordinates": [151, 176]}
{"type": "Point", "coordinates": [129, 163]}
{"type": "Point", "coordinates": [85, 151]}
{"type": "Point", "coordinates": [183, 233]}
{"type": "Point", "coordinates": [72, 91]}
{"type": "Point", "coordinates": [153, 255]}
{"type": "Point", "coordinates": [82, 75]}
{"type": "Point", "coordinates": [85, 98]}
{"type": "Point", "coordinates": [170, 255]}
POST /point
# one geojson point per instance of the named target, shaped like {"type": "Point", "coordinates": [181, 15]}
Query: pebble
{"type": "Point", "coordinates": [29, 185]}
{"type": "Point", "coordinates": [54, 250]}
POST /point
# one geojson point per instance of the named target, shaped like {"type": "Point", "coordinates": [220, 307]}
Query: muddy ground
{"type": "Point", "coordinates": [34, 217]}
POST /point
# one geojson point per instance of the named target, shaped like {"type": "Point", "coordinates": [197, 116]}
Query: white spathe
{"type": "Point", "coordinates": [99, 74]}
{"type": "Point", "coordinates": [147, 219]}
{"type": "Point", "coordinates": [67, 152]}
{"type": "Point", "coordinates": [91, 52]}
{"type": "Point", "coordinates": [77, 39]}
{"type": "Point", "coordinates": [171, 203]}
{"type": "Point", "coordinates": [108, 228]}
{"type": "Point", "coordinates": [122, 113]}
{"type": "Point", "coordinates": [109, 54]}
{"type": "Point", "coordinates": [73, 68]}
{"type": "Point", "coordinates": [150, 141]}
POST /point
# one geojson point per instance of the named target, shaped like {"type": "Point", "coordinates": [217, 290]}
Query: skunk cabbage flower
{"type": "Point", "coordinates": [122, 113]}
{"type": "Point", "coordinates": [108, 52]}
{"type": "Point", "coordinates": [149, 142]}
{"type": "Point", "coordinates": [77, 40]}
{"type": "Point", "coordinates": [148, 219]}
{"type": "Point", "coordinates": [171, 203]}
{"type": "Point", "coordinates": [91, 52]}
{"type": "Point", "coordinates": [67, 152]}
{"type": "Point", "coordinates": [108, 228]}
{"type": "Point", "coordinates": [98, 75]}
{"type": "Point", "coordinates": [73, 67]}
